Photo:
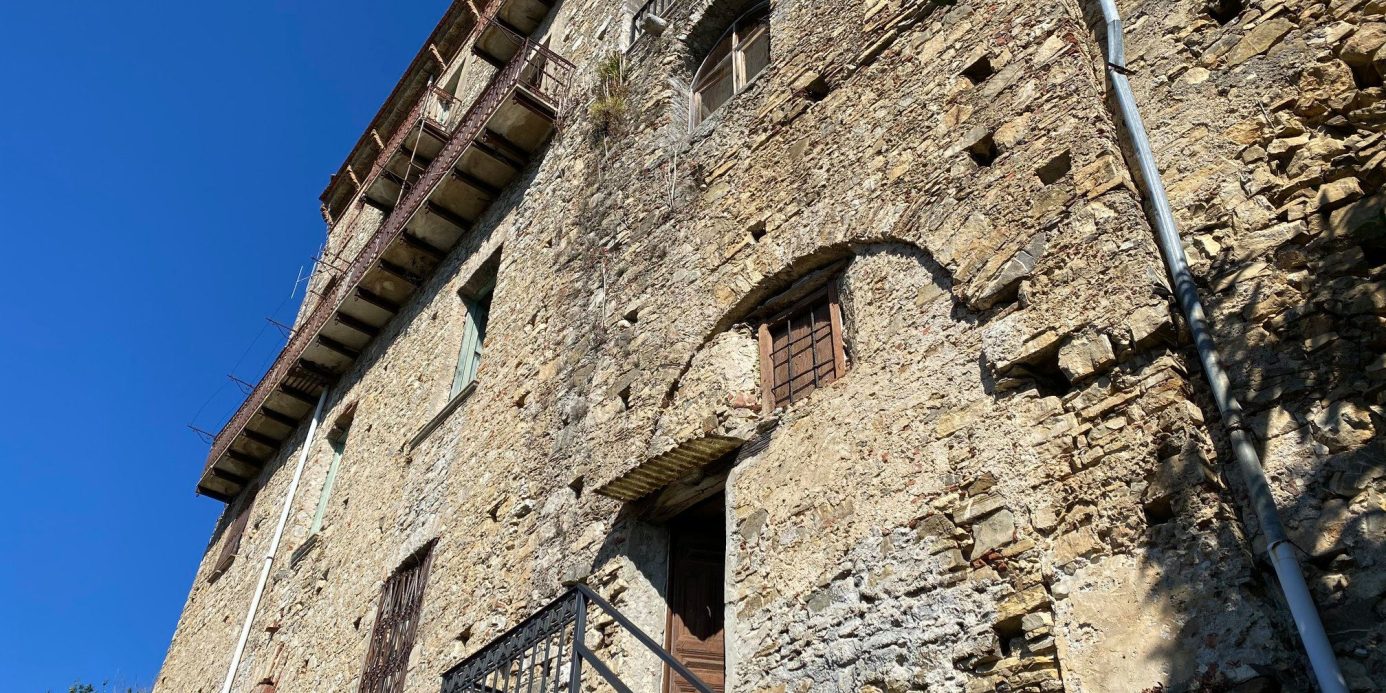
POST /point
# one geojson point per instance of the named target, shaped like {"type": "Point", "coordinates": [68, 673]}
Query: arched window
{"type": "Point", "coordinates": [737, 57]}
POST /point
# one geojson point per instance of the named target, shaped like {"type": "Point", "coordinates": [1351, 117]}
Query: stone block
{"type": "Point", "coordinates": [1335, 194]}
{"type": "Point", "coordinates": [991, 532]}
{"type": "Point", "coordinates": [1259, 40]}
{"type": "Point", "coordinates": [1342, 425]}
{"type": "Point", "coordinates": [1360, 220]}
{"type": "Point", "coordinates": [977, 506]}
{"type": "Point", "coordinates": [1083, 356]}
{"type": "Point", "coordinates": [1360, 49]}
{"type": "Point", "coordinates": [1149, 324]}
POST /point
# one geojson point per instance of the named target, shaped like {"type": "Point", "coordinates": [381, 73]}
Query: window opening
{"type": "Point", "coordinates": [477, 314]}
{"type": "Point", "coordinates": [801, 349]}
{"type": "Point", "coordinates": [396, 624]}
{"type": "Point", "coordinates": [231, 542]}
{"type": "Point", "coordinates": [737, 57]}
{"type": "Point", "coordinates": [337, 439]}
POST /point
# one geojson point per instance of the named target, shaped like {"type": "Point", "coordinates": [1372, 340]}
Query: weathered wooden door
{"type": "Point", "coordinates": [696, 573]}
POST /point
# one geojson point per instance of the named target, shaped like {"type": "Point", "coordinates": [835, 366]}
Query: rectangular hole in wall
{"type": "Point", "coordinates": [979, 70]}
{"type": "Point", "coordinates": [1055, 168]}
{"type": "Point", "coordinates": [983, 151]}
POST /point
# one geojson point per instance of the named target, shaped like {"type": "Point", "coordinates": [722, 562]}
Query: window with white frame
{"type": "Point", "coordinates": [736, 58]}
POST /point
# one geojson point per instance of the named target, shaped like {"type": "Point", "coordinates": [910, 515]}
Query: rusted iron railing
{"type": "Point", "coordinates": [651, 8]}
{"type": "Point", "coordinates": [546, 653]}
{"type": "Point", "coordinates": [528, 57]}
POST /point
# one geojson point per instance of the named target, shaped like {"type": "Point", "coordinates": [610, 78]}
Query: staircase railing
{"type": "Point", "coordinates": [546, 653]}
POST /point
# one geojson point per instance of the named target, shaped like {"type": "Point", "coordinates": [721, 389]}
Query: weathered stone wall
{"type": "Point", "coordinates": [1019, 481]}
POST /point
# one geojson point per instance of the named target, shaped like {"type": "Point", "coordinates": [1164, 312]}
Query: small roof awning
{"type": "Point", "coordinates": [663, 469]}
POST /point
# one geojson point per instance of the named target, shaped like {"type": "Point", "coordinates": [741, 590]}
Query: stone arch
{"type": "Point", "coordinates": [728, 350]}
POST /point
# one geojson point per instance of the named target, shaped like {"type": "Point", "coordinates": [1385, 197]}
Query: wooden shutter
{"type": "Point", "coordinates": [473, 337]}
{"type": "Point", "coordinates": [231, 539]}
{"type": "Point", "coordinates": [396, 624]}
{"type": "Point", "coordinates": [338, 446]}
{"type": "Point", "coordinates": [801, 349]}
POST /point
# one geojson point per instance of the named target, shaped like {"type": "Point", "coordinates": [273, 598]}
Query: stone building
{"type": "Point", "coordinates": [830, 343]}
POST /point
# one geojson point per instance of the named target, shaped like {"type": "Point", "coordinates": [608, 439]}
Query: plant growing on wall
{"type": "Point", "coordinates": [610, 107]}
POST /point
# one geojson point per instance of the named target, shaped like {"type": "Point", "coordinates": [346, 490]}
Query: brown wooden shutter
{"type": "Point", "coordinates": [396, 624]}
{"type": "Point", "coordinates": [801, 348]}
{"type": "Point", "coordinates": [231, 539]}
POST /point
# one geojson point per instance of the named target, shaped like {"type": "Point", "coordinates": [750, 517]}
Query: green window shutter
{"type": "Point", "coordinates": [337, 448]}
{"type": "Point", "coordinates": [473, 336]}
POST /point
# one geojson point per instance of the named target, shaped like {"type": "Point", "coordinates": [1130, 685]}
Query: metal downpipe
{"type": "Point", "coordinates": [274, 546]}
{"type": "Point", "coordinates": [1278, 546]}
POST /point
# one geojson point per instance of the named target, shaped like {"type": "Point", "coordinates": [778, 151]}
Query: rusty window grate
{"type": "Point", "coordinates": [801, 349]}
{"type": "Point", "coordinates": [231, 541]}
{"type": "Point", "coordinates": [396, 623]}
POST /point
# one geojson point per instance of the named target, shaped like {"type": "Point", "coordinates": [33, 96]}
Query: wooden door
{"type": "Point", "coordinates": [696, 573]}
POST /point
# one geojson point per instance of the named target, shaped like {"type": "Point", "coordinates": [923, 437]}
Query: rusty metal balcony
{"type": "Point", "coordinates": [457, 164]}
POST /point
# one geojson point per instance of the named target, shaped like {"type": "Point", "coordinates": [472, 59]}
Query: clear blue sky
{"type": "Point", "coordinates": [160, 164]}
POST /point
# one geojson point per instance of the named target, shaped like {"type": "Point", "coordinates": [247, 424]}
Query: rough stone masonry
{"type": "Point", "coordinates": [1018, 484]}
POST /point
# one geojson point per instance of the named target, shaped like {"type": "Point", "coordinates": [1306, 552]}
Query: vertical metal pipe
{"type": "Point", "coordinates": [274, 545]}
{"type": "Point", "coordinates": [1282, 556]}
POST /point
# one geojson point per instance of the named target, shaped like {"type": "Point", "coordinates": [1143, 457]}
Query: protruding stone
{"type": "Point", "coordinates": [992, 532]}
{"type": "Point", "coordinates": [1083, 356]}
{"type": "Point", "coordinates": [1259, 40]}
{"type": "Point", "coordinates": [1361, 47]}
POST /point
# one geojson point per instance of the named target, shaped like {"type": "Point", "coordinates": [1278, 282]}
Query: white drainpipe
{"type": "Point", "coordinates": [1278, 546]}
{"type": "Point", "coordinates": [274, 546]}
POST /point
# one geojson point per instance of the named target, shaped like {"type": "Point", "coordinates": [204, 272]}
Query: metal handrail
{"type": "Point", "coordinates": [469, 128]}
{"type": "Point", "coordinates": [531, 656]}
{"type": "Point", "coordinates": [658, 8]}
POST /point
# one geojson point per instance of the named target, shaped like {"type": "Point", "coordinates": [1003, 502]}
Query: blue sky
{"type": "Point", "coordinates": [160, 164]}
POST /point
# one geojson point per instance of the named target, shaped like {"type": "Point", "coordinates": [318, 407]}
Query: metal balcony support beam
{"type": "Point", "coordinates": [448, 215]}
{"type": "Point", "coordinates": [279, 417]}
{"type": "Point", "coordinates": [357, 324]}
{"type": "Point", "coordinates": [377, 300]}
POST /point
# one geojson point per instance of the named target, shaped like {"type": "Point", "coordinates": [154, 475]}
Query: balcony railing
{"type": "Point", "coordinates": [441, 108]}
{"type": "Point", "coordinates": [652, 11]}
{"type": "Point", "coordinates": [542, 75]}
{"type": "Point", "coordinates": [547, 652]}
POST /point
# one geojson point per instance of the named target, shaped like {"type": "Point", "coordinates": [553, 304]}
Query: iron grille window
{"type": "Point", "coordinates": [396, 624]}
{"type": "Point", "coordinates": [801, 349]}
{"type": "Point", "coordinates": [231, 539]}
